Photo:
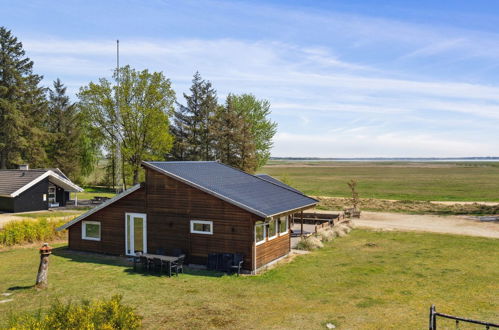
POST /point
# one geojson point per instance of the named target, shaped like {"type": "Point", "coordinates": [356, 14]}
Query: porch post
{"type": "Point", "coordinates": [76, 199]}
{"type": "Point", "coordinates": [301, 218]}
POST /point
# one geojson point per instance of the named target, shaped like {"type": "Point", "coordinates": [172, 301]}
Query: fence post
{"type": "Point", "coordinates": [433, 319]}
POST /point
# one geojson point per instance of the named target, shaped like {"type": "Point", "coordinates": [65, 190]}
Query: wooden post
{"type": "Point", "coordinates": [301, 218]}
{"type": "Point", "coordinates": [41, 278]}
{"type": "Point", "coordinates": [76, 199]}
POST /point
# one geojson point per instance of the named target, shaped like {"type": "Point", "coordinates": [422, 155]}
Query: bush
{"type": "Point", "coordinates": [309, 243]}
{"type": "Point", "coordinates": [29, 231]}
{"type": "Point", "coordinates": [341, 230]}
{"type": "Point", "coordinates": [327, 235]}
{"type": "Point", "coordinates": [98, 314]}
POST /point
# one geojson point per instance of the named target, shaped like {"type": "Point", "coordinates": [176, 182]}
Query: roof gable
{"type": "Point", "coordinates": [15, 182]}
{"type": "Point", "coordinates": [244, 190]}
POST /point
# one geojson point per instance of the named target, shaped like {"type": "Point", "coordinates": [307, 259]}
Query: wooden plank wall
{"type": "Point", "coordinates": [273, 249]}
{"type": "Point", "coordinates": [171, 205]}
{"type": "Point", "coordinates": [112, 219]}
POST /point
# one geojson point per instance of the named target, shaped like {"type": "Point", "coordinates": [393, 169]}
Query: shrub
{"type": "Point", "coordinates": [327, 235]}
{"type": "Point", "coordinates": [97, 314]}
{"type": "Point", "coordinates": [29, 231]}
{"type": "Point", "coordinates": [309, 243]}
{"type": "Point", "coordinates": [341, 230]}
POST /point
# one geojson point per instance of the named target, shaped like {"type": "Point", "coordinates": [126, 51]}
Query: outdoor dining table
{"type": "Point", "coordinates": [168, 259]}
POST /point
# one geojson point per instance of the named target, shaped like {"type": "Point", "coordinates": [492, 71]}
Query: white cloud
{"type": "Point", "coordinates": [343, 109]}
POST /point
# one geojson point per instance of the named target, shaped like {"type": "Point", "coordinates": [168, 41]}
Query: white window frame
{"type": "Point", "coordinates": [283, 233]}
{"type": "Point", "coordinates": [264, 225]}
{"type": "Point", "coordinates": [202, 222]}
{"type": "Point", "coordinates": [84, 230]}
{"type": "Point", "coordinates": [276, 225]}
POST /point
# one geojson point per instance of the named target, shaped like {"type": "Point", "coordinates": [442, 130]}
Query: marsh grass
{"type": "Point", "coordinates": [478, 181]}
{"type": "Point", "coordinates": [366, 280]}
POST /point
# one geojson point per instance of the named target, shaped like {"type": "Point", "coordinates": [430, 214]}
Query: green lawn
{"type": "Point", "coordinates": [92, 191]}
{"type": "Point", "coordinates": [393, 180]}
{"type": "Point", "coordinates": [52, 214]}
{"type": "Point", "coordinates": [349, 283]}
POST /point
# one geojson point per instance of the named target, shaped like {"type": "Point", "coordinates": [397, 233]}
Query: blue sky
{"type": "Point", "coordinates": [345, 78]}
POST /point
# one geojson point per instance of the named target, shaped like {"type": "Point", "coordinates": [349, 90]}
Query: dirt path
{"type": "Point", "coordinates": [460, 225]}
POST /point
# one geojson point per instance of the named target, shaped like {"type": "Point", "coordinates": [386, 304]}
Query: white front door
{"type": "Point", "coordinates": [135, 233]}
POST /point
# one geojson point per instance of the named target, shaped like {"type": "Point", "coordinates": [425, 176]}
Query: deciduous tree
{"type": "Point", "coordinates": [139, 125]}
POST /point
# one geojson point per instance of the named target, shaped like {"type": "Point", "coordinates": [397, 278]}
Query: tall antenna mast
{"type": "Point", "coordinates": [119, 158]}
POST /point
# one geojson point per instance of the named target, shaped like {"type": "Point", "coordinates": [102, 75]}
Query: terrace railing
{"type": "Point", "coordinates": [434, 315]}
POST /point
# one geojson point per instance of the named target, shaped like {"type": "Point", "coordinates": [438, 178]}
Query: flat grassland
{"type": "Point", "coordinates": [424, 181]}
{"type": "Point", "coordinates": [386, 284]}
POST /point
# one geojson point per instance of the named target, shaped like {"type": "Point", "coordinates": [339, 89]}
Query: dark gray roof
{"type": "Point", "coordinates": [247, 191]}
{"type": "Point", "coordinates": [269, 178]}
{"type": "Point", "coordinates": [12, 180]}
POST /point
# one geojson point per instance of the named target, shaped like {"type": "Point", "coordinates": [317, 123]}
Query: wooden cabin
{"type": "Point", "coordinates": [25, 189]}
{"type": "Point", "coordinates": [199, 207]}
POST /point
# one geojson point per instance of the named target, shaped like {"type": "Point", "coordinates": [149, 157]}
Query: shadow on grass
{"type": "Point", "coordinates": [187, 271]}
{"type": "Point", "coordinates": [17, 288]}
{"type": "Point", "coordinates": [125, 262]}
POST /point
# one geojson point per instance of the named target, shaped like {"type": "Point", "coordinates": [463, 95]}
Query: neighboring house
{"type": "Point", "coordinates": [25, 189]}
{"type": "Point", "coordinates": [199, 207]}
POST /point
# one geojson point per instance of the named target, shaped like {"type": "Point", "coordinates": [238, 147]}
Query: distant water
{"type": "Point", "coordinates": [380, 159]}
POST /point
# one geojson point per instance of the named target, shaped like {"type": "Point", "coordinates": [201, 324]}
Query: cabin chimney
{"type": "Point", "coordinates": [24, 167]}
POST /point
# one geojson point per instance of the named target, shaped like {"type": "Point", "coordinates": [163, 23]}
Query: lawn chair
{"type": "Point", "coordinates": [237, 263]}
{"type": "Point", "coordinates": [157, 265]}
{"type": "Point", "coordinates": [144, 262]}
{"type": "Point", "coordinates": [227, 262]}
{"type": "Point", "coordinates": [178, 265]}
{"type": "Point", "coordinates": [212, 261]}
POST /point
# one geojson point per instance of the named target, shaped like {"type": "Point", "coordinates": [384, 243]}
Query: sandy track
{"type": "Point", "coordinates": [458, 225]}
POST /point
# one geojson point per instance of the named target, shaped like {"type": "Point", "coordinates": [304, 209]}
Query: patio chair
{"type": "Point", "coordinates": [227, 261]}
{"type": "Point", "coordinates": [144, 262]}
{"type": "Point", "coordinates": [161, 251]}
{"type": "Point", "coordinates": [237, 263]}
{"type": "Point", "coordinates": [178, 265]}
{"type": "Point", "coordinates": [212, 261]}
{"type": "Point", "coordinates": [157, 265]}
{"type": "Point", "coordinates": [167, 265]}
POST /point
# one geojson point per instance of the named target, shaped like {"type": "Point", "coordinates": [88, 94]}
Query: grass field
{"type": "Point", "coordinates": [388, 285]}
{"type": "Point", "coordinates": [92, 191]}
{"type": "Point", "coordinates": [393, 180]}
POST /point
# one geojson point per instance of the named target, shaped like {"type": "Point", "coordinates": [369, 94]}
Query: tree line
{"type": "Point", "coordinates": [133, 117]}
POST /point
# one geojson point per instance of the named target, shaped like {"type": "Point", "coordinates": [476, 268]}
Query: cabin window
{"type": "Point", "coordinates": [260, 232]}
{"type": "Point", "coordinates": [90, 230]}
{"type": "Point", "coordinates": [202, 227]}
{"type": "Point", "coordinates": [283, 225]}
{"type": "Point", "coordinates": [272, 228]}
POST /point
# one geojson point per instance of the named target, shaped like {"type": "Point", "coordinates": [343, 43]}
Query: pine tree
{"type": "Point", "coordinates": [192, 123]}
{"type": "Point", "coordinates": [23, 107]}
{"type": "Point", "coordinates": [63, 123]}
{"type": "Point", "coordinates": [234, 143]}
